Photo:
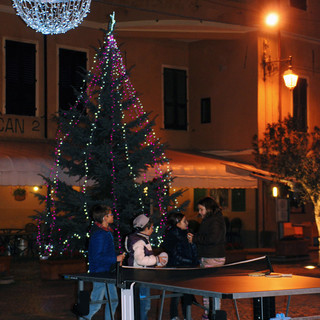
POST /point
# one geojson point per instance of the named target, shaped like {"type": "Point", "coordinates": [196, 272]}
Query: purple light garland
{"type": "Point", "coordinates": [118, 69]}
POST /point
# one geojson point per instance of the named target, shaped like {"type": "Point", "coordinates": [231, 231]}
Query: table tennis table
{"type": "Point", "coordinates": [215, 284]}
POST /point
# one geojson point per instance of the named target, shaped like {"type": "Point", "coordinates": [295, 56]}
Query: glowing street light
{"type": "Point", "coordinates": [272, 19]}
{"type": "Point", "coordinates": [275, 191]}
{"type": "Point", "coordinates": [290, 79]}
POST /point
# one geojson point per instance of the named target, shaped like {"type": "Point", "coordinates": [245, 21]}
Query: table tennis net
{"type": "Point", "coordinates": [260, 264]}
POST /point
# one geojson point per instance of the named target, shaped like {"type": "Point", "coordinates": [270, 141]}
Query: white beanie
{"type": "Point", "coordinates": [140, 221]}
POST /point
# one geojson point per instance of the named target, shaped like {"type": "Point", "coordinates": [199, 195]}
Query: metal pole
{"type": "Point", "coordinates": [280, 78]}
{"type": "Point", "coordinates": [45, 84]}
{"type": "Point", "coordinates": [279, 55]}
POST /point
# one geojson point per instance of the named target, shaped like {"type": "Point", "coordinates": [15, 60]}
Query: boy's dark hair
{"type": "Point", "coordinates": [147, 226]}
{"type": "Point", "coordinates": [99, 211]}
{"type": "Point", "coordinates": [174, 218]}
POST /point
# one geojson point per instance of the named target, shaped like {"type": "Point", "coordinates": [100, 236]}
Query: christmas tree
{"type": "Point", "coordinates": [106, 143]}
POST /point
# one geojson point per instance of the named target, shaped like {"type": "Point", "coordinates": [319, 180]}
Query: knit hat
{"type": "Point", "coordinates": [140, 221]}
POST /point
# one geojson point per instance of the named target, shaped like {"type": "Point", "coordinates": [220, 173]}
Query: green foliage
{"type": "Point", "coordinates": [291, 155]}
{"type": "Point", "coordinates": [106, 147]}
{"type": "Point", "coordinates": [19, 192]}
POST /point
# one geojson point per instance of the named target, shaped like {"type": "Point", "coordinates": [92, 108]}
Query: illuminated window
{"type": "Point", "coordinates": [175, 99]}
{"type": "Point", "coordinates": [300, 104]}
{"type": "Point", "coordinates": [20, 78]}
{"type": "Point", "coordinates": [71, 67]}
{"type": "Point", "coordinates": [299, 4]}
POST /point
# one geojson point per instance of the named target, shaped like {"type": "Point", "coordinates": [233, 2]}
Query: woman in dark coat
{"type": "Point", "coordinates": [181, 253]}
{"type": "Point", "coordinates": [210, 238]}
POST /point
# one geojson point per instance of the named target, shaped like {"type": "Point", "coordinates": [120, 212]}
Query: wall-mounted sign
{"type": "Point", "coordinates": [19, 126]}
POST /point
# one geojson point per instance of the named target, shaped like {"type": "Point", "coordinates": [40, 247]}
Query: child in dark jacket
{"type": "Point", "coordinates": [181, 253]}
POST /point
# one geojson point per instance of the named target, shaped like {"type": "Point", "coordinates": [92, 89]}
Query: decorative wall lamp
{"type": "Point", "coordinates": [290, 79]}
{"type": "Point", "coordinates": [275, 191]}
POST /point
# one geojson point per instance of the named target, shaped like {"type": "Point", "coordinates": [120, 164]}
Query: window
{"type": "Point", "coordinates": [198, 194]}
{"type": "Point", "coordinates": [175, 99]}
{"type": "Point", "coordinates": [238, 200]}
{"type": "Point", "coordinates": [71, 67]}
{"type": "Point", "coordinates": [205, 110]}
{"type": "Point", "coordinates": [299, 4]}
{"type": "Point", "coordinates": [20, 78]}
{"type": "Point", "coordinates": [296, 203]}
{"type": "Point", "coordinates": [220, 195]}
{"type": "Point", "coordinates": [300, 104]}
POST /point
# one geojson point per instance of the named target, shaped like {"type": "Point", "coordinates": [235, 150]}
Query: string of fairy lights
{"type": "Point", "coordinates": [111, 58]}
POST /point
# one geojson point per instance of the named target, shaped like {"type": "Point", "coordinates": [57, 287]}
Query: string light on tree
{"type": "Point", "coordinates": [107, 146]}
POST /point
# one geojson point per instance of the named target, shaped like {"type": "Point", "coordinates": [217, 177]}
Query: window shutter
{"type": "Point", "coordinates": [300, 105]}
{"type": "Point", "coordinates": [71, 66]}
{"type": "Point", "coordinates": [175, 99]}
{"type": "Point", "coordinates": [20, 78]}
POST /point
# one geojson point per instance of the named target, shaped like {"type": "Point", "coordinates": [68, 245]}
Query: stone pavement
{"type": "Point", "coordinates": [30, 298]}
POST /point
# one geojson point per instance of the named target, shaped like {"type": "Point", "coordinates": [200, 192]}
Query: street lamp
{"type": "Point", "coordinates": [272, 19]}
{"type": "Point", "coordinates": [290, 79]}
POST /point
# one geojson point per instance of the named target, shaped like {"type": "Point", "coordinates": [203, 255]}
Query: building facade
{"type": "Point", "coordinates": [198, 66]}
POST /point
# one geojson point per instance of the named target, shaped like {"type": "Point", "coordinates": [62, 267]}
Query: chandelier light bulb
{"type": "Point", "coordinates": [52, 16]}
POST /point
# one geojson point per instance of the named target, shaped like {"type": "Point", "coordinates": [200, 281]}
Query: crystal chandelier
{"type": "Point", "coordinates": [52, 16]}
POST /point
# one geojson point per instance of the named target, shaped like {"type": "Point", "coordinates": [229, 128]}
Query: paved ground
{"type": "Point", "coordinates": [30, 298]}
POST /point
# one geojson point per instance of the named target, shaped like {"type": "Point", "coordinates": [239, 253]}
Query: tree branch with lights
{"type": "Point", "coordinates": [106, 143]}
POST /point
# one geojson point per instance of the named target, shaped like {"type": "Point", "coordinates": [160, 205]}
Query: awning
{"type": "Point", "coordinates": [204, 171]}
{"type": "Point", "coordinates": [23, 171]}
{"type": "Point", "coordinates": [21, 163]}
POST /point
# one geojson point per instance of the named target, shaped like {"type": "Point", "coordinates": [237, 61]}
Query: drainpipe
{"type": "Point", "coordinates": [45, 74]}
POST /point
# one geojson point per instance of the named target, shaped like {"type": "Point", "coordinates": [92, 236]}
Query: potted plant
{"type": "Point", "coordinates": [57, 265]}
{"type": "Point", "coordinates": [19, 194]}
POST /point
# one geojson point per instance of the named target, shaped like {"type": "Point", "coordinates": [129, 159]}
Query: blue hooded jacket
{"type": "Point", "coordinates": [102, 254]}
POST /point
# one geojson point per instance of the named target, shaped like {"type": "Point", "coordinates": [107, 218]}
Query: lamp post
{"type": "Point", "coordinates": [290, 79]}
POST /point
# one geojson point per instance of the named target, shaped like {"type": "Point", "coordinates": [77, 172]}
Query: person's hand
{"type": "Point", "coordinates": [120, 258]}
{"type": "Point", "coordinates": [190, 237]}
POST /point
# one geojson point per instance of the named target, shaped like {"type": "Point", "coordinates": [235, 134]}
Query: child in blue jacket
{"type": "Point", "coordinates": [102, 256]}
